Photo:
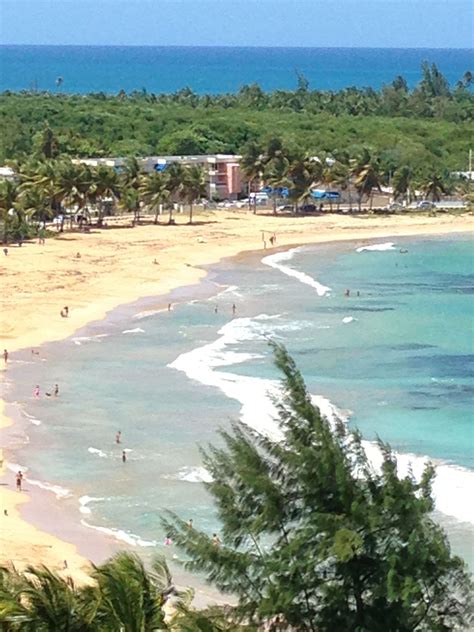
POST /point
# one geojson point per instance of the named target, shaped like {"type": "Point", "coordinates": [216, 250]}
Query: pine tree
{"type": "Point", "coordinates": [313, 534]}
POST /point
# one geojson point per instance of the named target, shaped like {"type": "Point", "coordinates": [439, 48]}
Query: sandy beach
{"type": "Point", "coordinates": [117, 266]}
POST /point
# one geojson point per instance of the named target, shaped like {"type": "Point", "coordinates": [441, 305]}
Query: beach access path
{"type": "Point", "coordinates": [116, 266]}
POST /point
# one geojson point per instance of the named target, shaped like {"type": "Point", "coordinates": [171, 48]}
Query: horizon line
{"type": "Point", "coordinates": [467, 48]}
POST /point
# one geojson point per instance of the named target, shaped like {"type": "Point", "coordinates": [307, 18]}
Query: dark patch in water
{"type": "Point", "coordinates": [424, 407]}
{"type": "Point", "coordinates": [414, 346]}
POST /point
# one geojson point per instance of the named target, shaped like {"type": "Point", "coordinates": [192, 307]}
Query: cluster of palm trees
{"type": "Point", "coordinates": [121, 596]}
{"type": "Point", "coordinates": [362, 175]}
{"type": "Point", "coordinates": [44, 189]}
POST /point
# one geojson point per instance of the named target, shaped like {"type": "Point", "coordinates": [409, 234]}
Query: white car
{"type": "Point", "coordinates": [425, 204]}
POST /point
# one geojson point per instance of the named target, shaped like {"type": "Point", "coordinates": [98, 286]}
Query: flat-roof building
{"type": "Point", "coordinates": [223, 170]}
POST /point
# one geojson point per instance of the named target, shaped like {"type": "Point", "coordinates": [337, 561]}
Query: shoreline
{"type": "Point", "coordinates": [38, 545]}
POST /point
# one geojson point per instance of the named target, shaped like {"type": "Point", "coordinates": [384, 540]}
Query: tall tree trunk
{"type": "Point", "coordinates": [170, 218]}
{"type": "Point", "coordinates": [190, 212]}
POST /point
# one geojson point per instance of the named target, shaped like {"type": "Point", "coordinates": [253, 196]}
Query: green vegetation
{"type": "Point", "coordinates": [429, 127]}
{"type": "Point", "coordinates": [314, 539]}
{"type": "Point", "coordinates": [313, 534]}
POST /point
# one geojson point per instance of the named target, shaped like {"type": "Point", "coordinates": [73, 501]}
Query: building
{"type": "Point", "coordinates": [224, 177]}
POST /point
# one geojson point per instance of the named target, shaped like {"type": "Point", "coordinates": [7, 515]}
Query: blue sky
{"type": "Point", "coordinates": [369, 23]}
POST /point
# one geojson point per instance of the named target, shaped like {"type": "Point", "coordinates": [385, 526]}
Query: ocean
{"type": "Point", "coordinates": [394, 358]}
{"type": "Point", "coordinates": [214, 70]}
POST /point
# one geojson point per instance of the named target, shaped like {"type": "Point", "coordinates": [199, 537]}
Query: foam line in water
{"type": "Point", "coordinates": [251, 392]}
{"type": "Point", "coordinates": [122, 536]}
{"type": "Point", "coordinates": [136, 330]}
{"type": "Point", "coordinates": [389, 245]}
{"type": "Point", "coordinates": [84, 501]}
{"type": "Point", "coordinates": [31, 418]}
{"type": "Point", "coordinates": [191, 474]}
{"type": "Point", "coordinates": [274, 262]}
{"type": "Point", "coordinates": [99, 453]}
{"type": "Point", "coordinates": [79, 340]}
{"type": "Point", "coordinates": [452, 485]}
{"type": "Point", "coordinates": [146, 313]}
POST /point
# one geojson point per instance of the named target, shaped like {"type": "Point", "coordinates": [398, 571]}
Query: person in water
{"type": "Point", "coordinates": [56, 391]}
{"type": "Point", "coordinates": [19, 480]}
{"type": "Point", "coordinates": [37, 391]}
{"type": "Point", "coordinates": [5, 356]}
{"type": "Point", "coordinates": [124, 456]}
{"type": "Point", "coordinates": [118, 437]}
{"type": "Point", "coordinates": [234, 309]}
{"type": "Point", "coordinates": [347, 293]}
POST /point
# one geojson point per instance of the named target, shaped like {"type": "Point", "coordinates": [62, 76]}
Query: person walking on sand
{"type": "Point", "coordinates": [169, 307]}
{"type": "Point", "coordinates": [5, 356]}
{"type": "Point", "coordinates": [124, 456]}
{"type": "Point", "coordinates": [5, 251]}
{"type": "Point", "coordinates": [19, 480]}
{"type": "Point", "coordinates": [118, 437]}
{"type": "Point", "coordinates": [37, 391]}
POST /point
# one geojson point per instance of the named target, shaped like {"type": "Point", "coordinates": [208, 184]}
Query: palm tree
{"type": "Point", "coordinates": [434, 187]}
{"type": "Point", "coordinates": [305, 174]}
{"type": "Point", "coordinates": [129, 202]}
{"type": "Point", "coordinates": [8, 197]}
{"type": "Point", "coordinates": [194, 186]}
{"type": "Point", "coordinates": [176, 175]}
{"type": "Point", "coordinates": [252, 165]}
{"type": "Point", "coordinates": [341, 178]}
{"type": "Point", "coordinates": [276, 175]}
{"type": "Point", "coordinates": [155, 191]}
{"type": "Point", "coordinates": [74, 184]}
{"type": "Point", "coordinates": [39, 600]}
{"type": "Point", "coordinates": [104, 185]}
{"type": "Point", "coordinates": [35, 203]}
{"type": "Point", "coordinates": [132, 599]}
{"type": "Point", "coordinates": [402, 183]}
{"type": "Point", "coordinates": [366, 176]}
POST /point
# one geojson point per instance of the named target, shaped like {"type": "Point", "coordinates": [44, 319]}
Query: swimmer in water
{"type": "Point", "coordinates": [234, 309]}
{"type": "Point", "coordinates": [118, 437]}
{"type": "Point", "coordinates": [124, 456]}
{"type": "Point", "coordinates": [347, 293]}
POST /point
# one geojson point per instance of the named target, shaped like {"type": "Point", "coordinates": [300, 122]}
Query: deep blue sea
{"type": "Point", "coordinates": [395, 360]}
{"type": "Point", "coordinates": [215, 70]}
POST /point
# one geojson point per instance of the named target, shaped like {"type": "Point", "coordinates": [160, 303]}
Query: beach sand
{"type": "Point", "coordinates": [117, 266]}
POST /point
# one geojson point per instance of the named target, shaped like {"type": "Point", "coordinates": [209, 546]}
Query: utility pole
{"type": "Point", "coordinates": [470, 162]}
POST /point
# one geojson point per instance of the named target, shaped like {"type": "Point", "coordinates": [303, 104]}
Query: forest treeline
{"type": "Point", "coordinates": [429, 126]}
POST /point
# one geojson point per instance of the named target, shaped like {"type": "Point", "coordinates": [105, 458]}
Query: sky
{"type": "Point", "coordinates": [313, 23]}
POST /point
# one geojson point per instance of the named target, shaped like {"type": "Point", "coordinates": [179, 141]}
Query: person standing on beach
{"type": "Point", "coordinates": [37, 391]}
{"type": "Point", "coordinates": [56, 390]}
{"type": "Point", "coordinates": [234, 309]}
{"type": "Point", "coordinates": [19, 480]}
{"type": "Point", "coordinates": [5, 356]}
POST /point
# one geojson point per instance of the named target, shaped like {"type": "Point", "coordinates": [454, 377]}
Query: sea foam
{"type": "Point", "coordinates": [190, 474]}
{"type": "Point", "coordinates": [84, 501]}
{"type": "Point", "coordinates": [136, 330]}
{"type": "Point", "coordinates": [274, 262]}
{"type": "Point", "coordinates": [452, 485]}
{"type": "Point", "coordinates": [98, 452]}
{"type": "Point", "coordinates": [121, 535]}
{"type": "Point", "coordinates": [389, 245]}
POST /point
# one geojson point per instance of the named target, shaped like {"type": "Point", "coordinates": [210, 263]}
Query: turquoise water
{"type": "Point", "coordinates": [215, 70]}
{"type": "Point", "coordinates": [395, 361]}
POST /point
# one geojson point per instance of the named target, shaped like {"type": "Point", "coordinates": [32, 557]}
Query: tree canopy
{"type": "Point", "coordinates": [313, 534]}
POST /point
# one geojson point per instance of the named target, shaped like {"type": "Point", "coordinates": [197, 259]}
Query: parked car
{"type": "Point", "coordinates": [285, 208]}
{"type": "Point", "coordinates": [308, 208]}
{"type": "Point", "coordinates": [426, 204]}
